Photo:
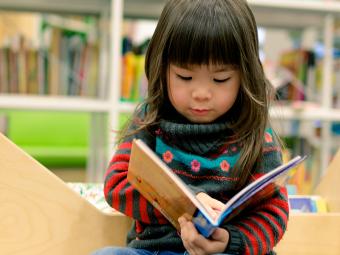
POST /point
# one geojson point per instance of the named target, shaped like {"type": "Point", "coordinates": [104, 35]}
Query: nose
{"type": "Point", "coordinates": [201, 93]}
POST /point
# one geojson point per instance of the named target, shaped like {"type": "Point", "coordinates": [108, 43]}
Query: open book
{"type": "Point", "coordinates": [173, 198]}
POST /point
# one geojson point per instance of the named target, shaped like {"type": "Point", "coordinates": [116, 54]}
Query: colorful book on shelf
{"type": "Point", "coordinates": [173, 198]}
{"type": "Point", "coordinates": [307, 204]}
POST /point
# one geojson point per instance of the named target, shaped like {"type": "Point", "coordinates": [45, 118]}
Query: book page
{"type": "Point", "coordinates": [259, 185]}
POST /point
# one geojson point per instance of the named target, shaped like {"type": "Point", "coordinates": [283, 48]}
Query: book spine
{"type": "Point", "coordinates": [202, 224]}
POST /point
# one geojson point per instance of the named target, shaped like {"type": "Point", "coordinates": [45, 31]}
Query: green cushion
{"type": "Point", "coordinates": [56, 139]}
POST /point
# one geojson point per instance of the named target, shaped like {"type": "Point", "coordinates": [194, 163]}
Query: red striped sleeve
{"type": "Point", "coordinates": [121, 195]}
{"type": "Point", "coordinates": [125, 145]}
{"type": "Point", "coordinates": [160, 217]}
{"type": "Point", "coordinates": [120, 158]}
{"type": "Point", "coordinates": [260, 221]}
{"type": "Point", "coordinates": [128, 199]}
{"type": "Point", "coordinates": [120, 166]}
{"type": "Point", "coordinates": [117, 192]}
{"type": "Point", "coordinates": [261, 240]}
{"type": "Point", "coordinates": [251, 240]}
{"type": "Point", "coordinates": [143, 210]}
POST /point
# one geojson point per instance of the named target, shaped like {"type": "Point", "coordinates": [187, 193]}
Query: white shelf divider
{"type": "Point", "coordinates": [60, 6]}
{"type": "Point", "coordinates": [53, 103]}
{"type": "Point", "coordinates": [317, 6]}
{"type": "Point", "coordinates": [317, 113]}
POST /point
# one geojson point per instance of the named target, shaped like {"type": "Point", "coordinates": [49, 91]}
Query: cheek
{"type": "Point", "coordinates": [226, 99]}
{"type": "Point", "coordinates": [177, 96]}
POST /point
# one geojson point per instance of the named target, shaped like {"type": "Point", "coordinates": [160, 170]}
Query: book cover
{"type": "Point", "coordinates": [173, 198]}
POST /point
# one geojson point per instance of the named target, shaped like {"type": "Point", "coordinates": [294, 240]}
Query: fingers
{"type": "Point", "coordinates": [217, 205]}
{"type": "Point", "coordinates": [213, 206]}
{"type": "Point", "coordinates": [190, 237]}
{"type": "Point", "coordinates": [196, 244]}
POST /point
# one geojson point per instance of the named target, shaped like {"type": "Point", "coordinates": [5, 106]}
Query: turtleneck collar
{"type": "Point", "coordinates": [200, 139]}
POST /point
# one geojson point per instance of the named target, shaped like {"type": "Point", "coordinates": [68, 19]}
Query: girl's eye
{"type": "Point", "coordinates": [184, 78]}
{"type": "Point", "coordinates": [222, 80]}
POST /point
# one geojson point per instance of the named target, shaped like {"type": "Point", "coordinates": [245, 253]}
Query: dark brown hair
{"type": "Point", "coordinates": [203, 32]}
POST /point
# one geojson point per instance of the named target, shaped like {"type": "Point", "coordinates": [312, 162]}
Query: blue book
{"type": "Point", "coordinates": [173, 198]}
{"type": "Point", "coordinates": [302, 204]}
{"type": "Point", "coordinates": [307, 204]}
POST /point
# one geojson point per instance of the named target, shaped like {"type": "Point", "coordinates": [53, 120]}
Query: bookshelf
{"type": "Point", "coordinates": [99, 106]}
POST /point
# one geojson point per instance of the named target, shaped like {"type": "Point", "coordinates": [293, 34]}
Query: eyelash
{"type": "Point", "coordinates": [184, 78]}
{"type": "Point", "coordinates": [221, 81]}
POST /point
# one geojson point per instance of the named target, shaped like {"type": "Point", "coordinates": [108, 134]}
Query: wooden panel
{"type": "Point", "coordinates": [40, 214]}
{"type": "Point", "coordinates": [317, 233]}
{"type": "Point", "coordinates": [329, 187]}
{"type": "Point", "coordinates": [311, 234]}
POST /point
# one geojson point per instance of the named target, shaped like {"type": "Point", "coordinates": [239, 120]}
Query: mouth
{"type": "Point", "coordinates": [200, 112]}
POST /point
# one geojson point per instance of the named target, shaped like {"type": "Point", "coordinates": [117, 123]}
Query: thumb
{"type": "Point", "coordinates": [221, 235]}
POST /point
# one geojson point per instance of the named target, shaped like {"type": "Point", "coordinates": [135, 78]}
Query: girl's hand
{"type": "Point", "coordinates": [213, 206]}
{"type": "Point", "coordinates": [197, 244]}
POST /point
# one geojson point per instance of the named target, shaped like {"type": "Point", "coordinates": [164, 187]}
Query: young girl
{"type": "Point", "coordinates": [206, 116]}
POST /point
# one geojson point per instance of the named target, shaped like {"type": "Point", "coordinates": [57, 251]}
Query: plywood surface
{"type": "Point", "coordinates": [329, 187]}
{"type": "Point", "coordinates": [40, 214]}
{"type": "Point", "coordinates": [311, 234]}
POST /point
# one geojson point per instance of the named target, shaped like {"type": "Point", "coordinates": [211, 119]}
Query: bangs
{"type": "Point", "coordinates": [205, 39]}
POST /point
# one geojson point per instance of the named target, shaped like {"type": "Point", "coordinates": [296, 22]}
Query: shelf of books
{"type": "Point", "coordinates": [62, 58]}
{"type": "Point", "coordinates": [53, 58]}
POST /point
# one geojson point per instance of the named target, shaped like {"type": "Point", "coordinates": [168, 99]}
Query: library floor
{"type": "Point", "coordinates": [71, 174]}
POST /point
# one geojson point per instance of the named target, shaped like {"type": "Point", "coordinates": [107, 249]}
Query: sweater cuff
{"type": "Point", "coordinates": [235, 244]}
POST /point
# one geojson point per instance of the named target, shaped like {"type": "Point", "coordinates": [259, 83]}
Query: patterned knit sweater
{"type": "Point", "coordinates": [198, 154]}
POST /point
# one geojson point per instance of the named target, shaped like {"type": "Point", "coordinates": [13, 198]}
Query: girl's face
{"type": "Point", "coordinates": [203, 93]}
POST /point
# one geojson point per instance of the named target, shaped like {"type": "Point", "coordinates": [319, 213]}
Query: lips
{"type": "Point", "coordinates": [200, 112]}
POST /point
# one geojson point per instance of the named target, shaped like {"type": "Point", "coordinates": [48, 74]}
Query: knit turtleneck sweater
{"type": "Point", "coordinates": [200, 139]}
{"type": "Point", "coordinates": [204, 158]}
